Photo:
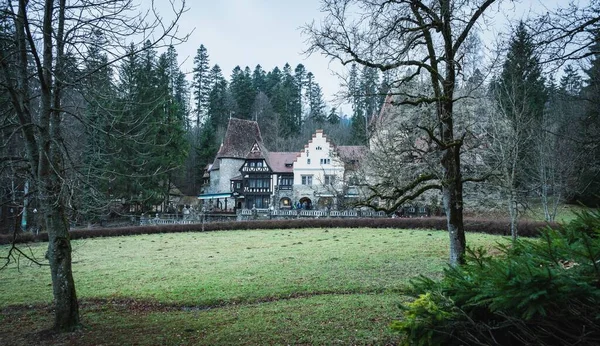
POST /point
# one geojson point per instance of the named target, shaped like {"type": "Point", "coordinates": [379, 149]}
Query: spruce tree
{"type": "Point", "coordinates": [243, 92]}
{"type": "Point", "coordinates": [259, 79]}
{"type": "Point", "coordinates": [589, 170]}
{"type": "Point", "coordinates": [316, 103]}
{"type": "Point", "coordinates": [201, 84]}
{"type": "Point", "coordinates": [520, 92]}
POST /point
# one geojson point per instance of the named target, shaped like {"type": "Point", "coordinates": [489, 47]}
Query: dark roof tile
{"type": "Point", "coordinates": [278, 161]}
{"type": "Point", "coordinates": [239, 138]}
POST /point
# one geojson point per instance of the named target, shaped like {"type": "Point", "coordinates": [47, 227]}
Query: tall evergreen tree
{"type": "Point", "coordinates": [219, 111]}
{"type": "Point", "coordinates": [589, 170]}
{"type": "Point", "coordinates": [369, 89]}
{"type": "Point", "coordinates": [273, 81]}
{"type": "Point", "coordinates": [520, 92]}
{"type": "Point", "coordinates": [259, 79]}
{"type": "Point", "coordinates": [300, 75]}
{"type": "Point", "coordinates": [315, 102]}
{"type": "Point", "coordinates": [355, 95]}
{"type": "Point", "coordinates": [201, 84]}
{"type": "Point", "coordinates": [243, 92]}
{"type": "Point", "coordinates": [333, 117]}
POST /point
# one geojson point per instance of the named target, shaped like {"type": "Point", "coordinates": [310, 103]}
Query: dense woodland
{"type": "Point", "coordinates": [138, 126]}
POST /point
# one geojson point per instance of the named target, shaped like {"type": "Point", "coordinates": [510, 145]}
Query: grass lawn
{"type": "Point", "coordinates": [309, 287]}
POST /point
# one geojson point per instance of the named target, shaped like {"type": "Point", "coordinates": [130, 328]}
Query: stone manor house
{"type": "Point", "coordinates": [246, 175]}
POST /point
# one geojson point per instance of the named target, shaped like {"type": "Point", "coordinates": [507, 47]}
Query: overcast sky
{"type": "Point", "coordinates": [251, 32]}
{"type": "Point", "coordinates": [268, 32]}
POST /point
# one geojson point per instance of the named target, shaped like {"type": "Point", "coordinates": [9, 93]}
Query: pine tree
{"type": "Point", "coordinates": [316, 103]}
{"type": "Point", "coordinates": [293, 114]}
{"type": "Point", "coordinates": [273, 81]}
{"type": "Point", "coordinates": [259, 79]}
{"type": "Point", "coordinates": [521, 94]}
{"type": "Point", "coordinates": [243, 92]}
{"type": "Point", "coordinates": [589, 171]}
{"type": "Point", "coordinates": [300, 75]}
{"type": "Point", "coordinates": [522, 77]}
{"type": "Point", "coordinates": [333, 117]}
{"type": "Point", "coordinates": [356, 97]}
{"type": "Point", "coordinates": [201, 84]}
{"type": "Point", "coordinates": [369, 90]}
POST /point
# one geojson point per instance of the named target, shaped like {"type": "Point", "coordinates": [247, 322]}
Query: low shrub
{"type": "Point", "coordinates": [499, 227]}
{"type": "Point", "coordinates": [543, 291]}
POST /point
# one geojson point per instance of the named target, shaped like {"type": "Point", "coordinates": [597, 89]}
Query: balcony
{"type": "Point", "coordinates": [257, 189]}
{"type": "Point", "coordinates": [247, 169]}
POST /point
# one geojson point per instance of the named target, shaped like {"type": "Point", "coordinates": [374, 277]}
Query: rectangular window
{"type": "Point", "coordinates": [308, 161]}
{"type": "Point", "coordinates": [325, 161]}
{"type": "Point", "coordinates": [329, 179]}
{"type": "Point", "coordinates": [307, 179]}
{"type": "Point", "coordinates": [286, 181]}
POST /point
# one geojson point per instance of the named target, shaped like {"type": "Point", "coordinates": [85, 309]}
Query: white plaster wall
{"type": "Point", "coordinates": [214, 182]}
{"type": "Point", "coordinates": [229, 168]}
{"type": "Point", "coordinates": [315, 168]}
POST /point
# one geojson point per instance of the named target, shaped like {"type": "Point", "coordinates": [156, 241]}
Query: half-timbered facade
{"type": "Point", "coordinates": [246, 175]}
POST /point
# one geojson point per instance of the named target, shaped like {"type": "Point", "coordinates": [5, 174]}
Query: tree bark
{"type": "Point", "coordinates": [66, 317]}
{"type": "Point", "coordinates": [453, 204]}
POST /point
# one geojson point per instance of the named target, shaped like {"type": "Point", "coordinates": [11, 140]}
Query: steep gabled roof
{"type": "Point", "coordinates": [239, 139]}
{"type": "Point", "coordinates": [278, 161]}
{"type": "Point", "coordinates": [258, 151]}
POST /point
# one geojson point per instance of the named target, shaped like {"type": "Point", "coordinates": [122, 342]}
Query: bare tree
{"type": "Point", "coordinates": [49, 37]}
{"type": "Point", "coordinates": [427, 37]}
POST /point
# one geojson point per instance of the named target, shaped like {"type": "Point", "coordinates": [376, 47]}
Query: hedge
{"type": "Point", "coordinates": [497, 227]}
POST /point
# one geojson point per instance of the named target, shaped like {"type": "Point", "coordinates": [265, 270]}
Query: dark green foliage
{"type": "Point", "coordinates": [543, 291]}
{"type": "Point", "coordinates": [136, 134]}
{"type": "Point", "coordinates": [521, 96]}
{"type": "Point", "coordinates": [588, 189]}
{"type": "Point", "coordinates": [243, 92]}
{"type": "Point", "coordinates": [201, 84]}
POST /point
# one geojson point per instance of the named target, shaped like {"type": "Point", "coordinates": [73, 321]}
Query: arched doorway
{"type": "Point", "coordinates": [305, 203]}
{"type": "Point", "coordinates": [285, 203]}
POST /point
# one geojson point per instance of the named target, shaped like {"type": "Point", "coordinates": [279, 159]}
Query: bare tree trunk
{"type": "Point", "coordinates": [66, 317]}
{"type": "Point", "coordinates": [513, 213]}
{"type": "Point", "coordinates": [453, 204]}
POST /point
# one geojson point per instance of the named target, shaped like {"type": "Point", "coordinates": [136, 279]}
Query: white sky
{"type": "Point", "coordinates": [268, 32]}
{"type": "Point", "coordinates": [251, 32]}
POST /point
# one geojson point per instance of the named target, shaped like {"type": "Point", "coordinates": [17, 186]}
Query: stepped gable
{"type": "Point", "coordinates": [278, 161]}
{"type": "Point", "coordinates": [345, 152]}
{"type": "Point", "coordinates": [333, 146]}
{"type": "Point", "coordinates": [239, 139]}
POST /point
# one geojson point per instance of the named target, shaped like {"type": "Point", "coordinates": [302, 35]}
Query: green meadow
{"type": "Point", "coordinates": [258, 287]}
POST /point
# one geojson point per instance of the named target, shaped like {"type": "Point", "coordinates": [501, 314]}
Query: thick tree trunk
{"type": "Point", "coordinates": [66, 317]}
{"type": "Point", "coordinates": [453, 204]}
